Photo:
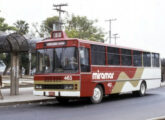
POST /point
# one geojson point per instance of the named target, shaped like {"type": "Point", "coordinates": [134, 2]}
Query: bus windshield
{"type": "Point", "coordinates": [57, 60]}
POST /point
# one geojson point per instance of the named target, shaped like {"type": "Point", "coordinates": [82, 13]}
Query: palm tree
{"type": "Point", "coordinates": [22, 27]}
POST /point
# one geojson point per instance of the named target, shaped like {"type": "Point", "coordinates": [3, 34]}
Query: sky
{"type": "Point", "coordinates": [140, 23]}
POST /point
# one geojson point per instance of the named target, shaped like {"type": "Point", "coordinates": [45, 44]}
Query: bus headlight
{"type": "Point", "coordinates": [68, 87]}
{"type": "Point", "coordinates": [38, 86]}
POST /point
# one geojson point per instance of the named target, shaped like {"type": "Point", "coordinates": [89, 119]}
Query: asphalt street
{"type": "Point", "coordinates": [122, 107]}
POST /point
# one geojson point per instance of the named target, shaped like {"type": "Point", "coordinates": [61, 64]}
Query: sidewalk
{"type": "Point", "coordinates": [25, 96]}
{"type": "Point", "coordinates": [162, 84]}
{"type": "Point", "coordinates": [26, 81]}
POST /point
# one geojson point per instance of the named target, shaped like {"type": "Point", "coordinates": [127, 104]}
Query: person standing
{"type": "Point", "coordinates": [1, 97]}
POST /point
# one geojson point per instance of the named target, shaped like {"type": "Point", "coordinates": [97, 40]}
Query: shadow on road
{"type": "Point", "coordinates": [116, 97]}
{"type": "Point", "coordinates": [85, 101]}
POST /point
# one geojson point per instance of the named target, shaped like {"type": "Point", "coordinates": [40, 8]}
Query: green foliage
{"type": "Point", "coordinates": [5, 57]}
{"type": "Point", "coordinates": [2, 58]}
{"type": "Point", "coordinates": [37, 30]}
{"type": "Point", "coordinates": [72, 33]}
{"type": "Point", "coordinates": [21, 27]}
{"type": "Point", "coordinates": [24, 60]}
{"type": "Point", "coordinates": [76, 27]}
{"type": "Point", "coordinates": [83, 28]}
{"type": "Point", "coordinates": [4, 26]}
{"type": "Point", "coordinates": [47, 25]}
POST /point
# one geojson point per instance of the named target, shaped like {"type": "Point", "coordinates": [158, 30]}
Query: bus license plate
{"type": "Point", "coordinates": [51, 93]}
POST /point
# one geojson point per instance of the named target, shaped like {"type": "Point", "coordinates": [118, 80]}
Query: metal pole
{"type": "Point", "coordinates": [14, 74]}
{"type": "Point", "coordinates": [110, 32]}
{"type": "Point", "coordinates": [115, 37]}
{"type": "Point", "coordinates": [110, 29]}
{"type": "Point", "coordinates": [58, 8]}
{"type": "Point", "coordinates": [30, 64]}
{"type": "Point", "coordinates": [60, 19]}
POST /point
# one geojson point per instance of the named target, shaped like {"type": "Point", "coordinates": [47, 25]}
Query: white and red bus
{"type": "Point", "coordinates": [73, 68]}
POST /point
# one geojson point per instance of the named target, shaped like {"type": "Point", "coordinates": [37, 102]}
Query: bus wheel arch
{"type": "Point", "coordinates": [102, 88]}
{"type": "Point", "coordinates": [142, 90]}
{"type": "Point", "coordinates": [143, 86]}
{"type": "Point", "coordinates": [144, 83]}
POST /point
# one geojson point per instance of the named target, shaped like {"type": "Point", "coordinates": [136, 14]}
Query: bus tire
{"type": "Point", "coordinates": [97, 95]}
{"type": "Point", "coordinates": [62, 100]}
{"type": "Point", "coordinates": [142, 90]}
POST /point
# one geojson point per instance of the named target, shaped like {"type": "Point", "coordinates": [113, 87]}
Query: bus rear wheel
{"type": "Point", "coordinates": [142, 90]}
{"type": "Point", "coordinates": [97, 95]}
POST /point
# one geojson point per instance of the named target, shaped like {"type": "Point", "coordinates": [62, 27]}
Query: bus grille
{"type": "Point", "coordinates": [57, 86]}
{"type": "Point", "coordinates": [52, 86]}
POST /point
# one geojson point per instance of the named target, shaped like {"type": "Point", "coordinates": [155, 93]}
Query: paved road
{"type": "Point", "coordinates": [123, 107]}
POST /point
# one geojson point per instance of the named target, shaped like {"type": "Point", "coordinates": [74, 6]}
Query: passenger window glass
{"type": "Point", "coordinates": [98, 55]}
{"type": "Point", "coordinates": [137, 58]}
{"type": "Point", "coordinates": [126, 57]}
{"type": "Point", "coordinates": [113, 56]}
{"type": "Point", "coordinates": [146, 59]}
{"type": "Point", "coordinates": [155, 60]}
{"type": "Point", "coordinates": [84, 59]}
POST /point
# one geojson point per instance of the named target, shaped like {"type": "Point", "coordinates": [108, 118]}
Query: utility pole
{"type": "Point", "coordinates": [30, 61]}
{"type": "Point", "coordinates": [115, 37]}
{"type": "Point", "coordinates": [110, 31]}
{"type": "Point", "coordinates": [58, 7]}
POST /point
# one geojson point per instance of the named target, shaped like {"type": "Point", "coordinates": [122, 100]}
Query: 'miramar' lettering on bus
{"type": "Point", "coordinates": [97, 75]}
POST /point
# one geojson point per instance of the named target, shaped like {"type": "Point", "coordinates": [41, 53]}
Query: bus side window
{"type": "Point", "coordinates": [84, 59]}
{"type": "Point", "coordinates": [155, 60]}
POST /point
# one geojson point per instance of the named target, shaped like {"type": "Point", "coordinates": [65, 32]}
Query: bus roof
{"type": "Point", "coordinates": [90, 42]}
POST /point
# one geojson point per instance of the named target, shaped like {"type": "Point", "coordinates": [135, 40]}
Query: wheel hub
{"type": "Point", "coordinates": [97, 94]}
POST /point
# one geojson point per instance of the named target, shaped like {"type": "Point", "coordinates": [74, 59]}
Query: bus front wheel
{"type": "Point", "coordinates": [97, 95]}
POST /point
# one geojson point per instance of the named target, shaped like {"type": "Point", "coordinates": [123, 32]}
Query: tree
{"type": "Point", "coordinates": [4, 26]}
{"type": "Point", "coordinates": [83, 28]}
{"type": "Point", "coordinates": [76, 27]}
{"type": "Point", "coordinates": [21, 27]}
{"type": "Point", "coordinates": [47, 25]}
{"type": "Point", "coordinates": [37, 30]}
{"type": "Point", "coordinates": [24, 62]}
{"type": "Point", "coordinates": [5, 57]}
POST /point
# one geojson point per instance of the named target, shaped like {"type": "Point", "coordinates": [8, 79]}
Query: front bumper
{"type": "Point", "coordinates": [57, 93]}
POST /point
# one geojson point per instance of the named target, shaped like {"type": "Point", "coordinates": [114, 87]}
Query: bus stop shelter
{"type": "Point", "coordinates": [15, 44]}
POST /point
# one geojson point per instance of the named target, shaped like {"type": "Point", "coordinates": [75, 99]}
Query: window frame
{"type": "Point", "coordinates": [115, 53]}
{"type": "Point", "coordinates": [102, 55]}
{"type": "Point", "coordinates": [89, 63]}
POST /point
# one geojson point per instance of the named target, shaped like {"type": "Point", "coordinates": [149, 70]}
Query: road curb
{"type": "Point", "coordinates": [26, 102]}
{"type": "Point", "coordinates": [162, 84]}
{"type": "Point", "coordinates": [158, 118]}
